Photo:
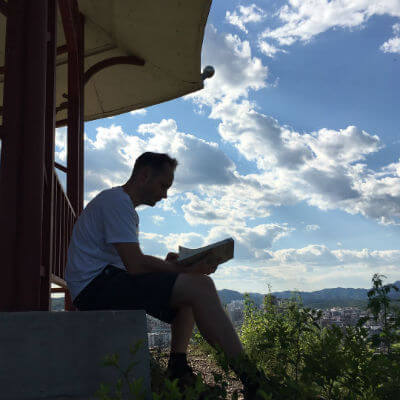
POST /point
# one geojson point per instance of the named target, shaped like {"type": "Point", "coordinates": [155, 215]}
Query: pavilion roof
{"type": "Point", "coordinates": [166, 35]}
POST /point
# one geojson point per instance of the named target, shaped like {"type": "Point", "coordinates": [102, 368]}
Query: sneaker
{"type": "Point", "coordinates": [185, 376]}
{"type": "Point", "coordinates": [251, 394]}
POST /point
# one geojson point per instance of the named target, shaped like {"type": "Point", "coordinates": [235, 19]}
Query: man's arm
{"type": "Point", "coordinates": [138, 263]}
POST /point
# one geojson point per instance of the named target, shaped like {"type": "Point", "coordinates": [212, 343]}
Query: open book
{"type": "Point", "coordinates": [218, 253]}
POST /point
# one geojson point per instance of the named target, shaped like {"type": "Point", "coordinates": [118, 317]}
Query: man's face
{"type": "Point", "coordinates": [157, 185]}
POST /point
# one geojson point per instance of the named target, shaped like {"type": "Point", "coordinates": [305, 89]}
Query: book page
{"type": "Point", "coordinates": [216, 253]}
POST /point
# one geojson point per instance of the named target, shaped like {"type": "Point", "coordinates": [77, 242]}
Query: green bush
{"type": "Point", "coordinates": [329, 363]}
{"type": "Point", "coordinates": [301, 359]}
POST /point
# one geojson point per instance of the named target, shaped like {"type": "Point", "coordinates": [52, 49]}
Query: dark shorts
{"type": "Point", "coordinates": [116, 289]}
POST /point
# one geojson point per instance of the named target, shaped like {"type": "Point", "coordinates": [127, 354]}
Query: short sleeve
{"type": "Point", "coordinates": [120, 221]}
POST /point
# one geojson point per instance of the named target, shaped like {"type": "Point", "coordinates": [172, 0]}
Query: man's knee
{"type": "Point", "coordinates": [190, 287]}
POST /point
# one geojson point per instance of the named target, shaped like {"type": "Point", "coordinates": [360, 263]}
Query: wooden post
{"type": "Point", "coordinates": [22, 166]}
{"type": "Point", "coordinates": [48, 203]}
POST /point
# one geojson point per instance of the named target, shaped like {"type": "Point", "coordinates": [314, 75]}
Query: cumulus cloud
{"type": "Point", "coordinates": [203, 163]}
{"type": "Point", "coordinates": [243, 15]}
{"type": "Point", "coordinates": [111, 153]}
{"type": "Point", "coordinates": [157, 219]}
{"type": "Point", "coordinates": [236, 70]}
{"type": "Point", "coordinates": [393, 44]}
{"type": "Point", "coordinates": [141, 111]}
{"type": "Point", "coordinates": [326, 168]}
{"type": "Point", "coordinates": [268, 49]}
{"type": "Point", "coordinates": [322, 256]}
{"type": "Point", "coordinates": [312, 227]}
{"type": "Point", "coordinates": [250, 242]}
{"type": "Point", "coordinates": [250, 197]}
{"type": "Point", "coordinates": [312, 267]}
{"type": "Point", "coordinates": [170, 242]}
{"type": "Point", "coordinates": [302, 20]}
{"type": "Point", "coordinates": [316, 266]}
{"type": "Point", "coordinates": [60, 154]}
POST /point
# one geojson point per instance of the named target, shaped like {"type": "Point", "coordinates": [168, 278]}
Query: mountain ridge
{"type": "Point", "coordinates": [338, 296]}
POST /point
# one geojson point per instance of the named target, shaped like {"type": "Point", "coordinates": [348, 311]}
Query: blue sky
{"type": "Point", "coordinates": [292, 148]}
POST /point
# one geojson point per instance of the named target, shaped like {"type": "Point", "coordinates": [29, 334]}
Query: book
{"type": "Point", "coordinates": [218, 253]}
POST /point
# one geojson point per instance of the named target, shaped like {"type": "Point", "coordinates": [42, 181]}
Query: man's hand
{"type": "Point", "coordinates": [204, 266]}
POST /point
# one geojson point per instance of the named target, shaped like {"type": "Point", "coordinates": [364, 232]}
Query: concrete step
{"type": "Point", "coordinates": [59, 355]}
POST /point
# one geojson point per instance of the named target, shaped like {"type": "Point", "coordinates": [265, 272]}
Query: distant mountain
{"type": "Point", "coordinates": [344, 297]}
{"type": "Point", "coordinates": [227, 296]}
{"type": "Point", "coordinates": [334, 297]}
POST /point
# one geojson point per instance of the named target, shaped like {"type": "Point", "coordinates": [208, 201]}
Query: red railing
{"type": "Point", "coordinates": [64, 218]}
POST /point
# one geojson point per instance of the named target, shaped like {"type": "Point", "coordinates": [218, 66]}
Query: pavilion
{"type": "Point", "coordinates": [62, 63]}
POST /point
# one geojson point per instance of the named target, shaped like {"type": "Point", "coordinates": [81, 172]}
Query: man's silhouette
{"type": "Point", "coordinates": [106, 269]}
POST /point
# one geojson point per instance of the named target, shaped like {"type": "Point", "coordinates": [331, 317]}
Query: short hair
{"type": "Point", "coordinates": [156, 161]}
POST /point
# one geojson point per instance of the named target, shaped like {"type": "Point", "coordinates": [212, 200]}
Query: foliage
{"type": "Point", "coordinates": [135, 386]}
{"type": "Point", "coordinates": [170, 389]}
{"type": "Point", "coordinates": [302, 359]}
{"type": "Point", "coordinates": [289, 344]}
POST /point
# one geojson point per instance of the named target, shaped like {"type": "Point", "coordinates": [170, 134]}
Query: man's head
{"type": "Point", "coordinates": [152, 176]}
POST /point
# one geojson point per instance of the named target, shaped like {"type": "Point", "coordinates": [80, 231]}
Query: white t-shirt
{"type": "Point", "coordinates": [108, 218]}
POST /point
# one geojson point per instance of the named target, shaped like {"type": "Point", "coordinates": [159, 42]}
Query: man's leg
{"type": "Point", "coordinates": [182, 329]}
{"type": "Point", "coordinates": [198, 291]}
{"type": "Point", "coordinates": [181, 332]}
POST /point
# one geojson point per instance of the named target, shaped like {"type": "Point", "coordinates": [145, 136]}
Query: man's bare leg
{"type": "Point", "coordinates": [199, 292]}
{"type": "Point", "coordinates": [182, 329]}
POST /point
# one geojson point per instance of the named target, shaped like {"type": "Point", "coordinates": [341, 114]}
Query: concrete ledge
{"type": "Point", "coordinates": [45, 355]}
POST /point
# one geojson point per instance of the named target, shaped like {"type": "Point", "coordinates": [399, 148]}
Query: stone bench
{"type": "Point", "coordinates": [59, 355]}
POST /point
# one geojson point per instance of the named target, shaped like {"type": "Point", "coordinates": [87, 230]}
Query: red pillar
{"type": "Point", "coordinates": [73, 23]}
{"type": "Point", "coordinates": [48, 200]}
{"type": "Point", "coordinates": [22, 166]}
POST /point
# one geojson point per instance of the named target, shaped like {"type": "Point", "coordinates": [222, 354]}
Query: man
{"type": "Point", "coordinates": [106, 269]}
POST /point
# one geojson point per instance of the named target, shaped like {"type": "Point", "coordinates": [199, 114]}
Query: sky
{"type": "Point", "coordinates": [292, 147]}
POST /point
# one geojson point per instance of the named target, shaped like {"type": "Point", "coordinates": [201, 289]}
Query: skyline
{"type": "Point", "coordinates": [292, 148]}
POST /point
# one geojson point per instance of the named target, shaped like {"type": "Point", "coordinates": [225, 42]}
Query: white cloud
{"type": "Point", "coordinates": [157, 219]}
{"type": "Point", "coordinates": [247, 198]}
{"type": "Point", "coordinates": [316, 266]}
{"type": "Point", "coordinates": [312, 227]}
{"type": "Point", "coordinates": [309, 268]}
{"type": "Point", "coordinates": [302, 20]}
{"type": "Point", "coordinates": [141, 111]}
{"type": "Point", "coordinates": [243, 15]}
{"type": "Point", "coordinates": [269, 49]}
{"type": "Point", "coordinates": [322, 256]}
{"type": "Point", "coordinates": [325, 168]}
{"type": "Point", "coordinates": [393, 44]}
{"type": "Point", "coordinates": [236, 70]}
{"type": "Point", "coordinates": [151, 241]}
{"type": "Point", "coordinates": [200, 162]}
{"type": "Point", "coordinates": [110, 156]}
{"type": "Point", "coordinates": [250, 242]}
{"type": "Point", "coordinates": [60, 154]}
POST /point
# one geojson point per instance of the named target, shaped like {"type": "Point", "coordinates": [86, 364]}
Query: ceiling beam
{"type": "Point", "coordinates": [109, 62]}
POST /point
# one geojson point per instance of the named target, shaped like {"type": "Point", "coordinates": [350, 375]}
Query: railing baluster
{"type": "Point", "coordinates": [64, 220]}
